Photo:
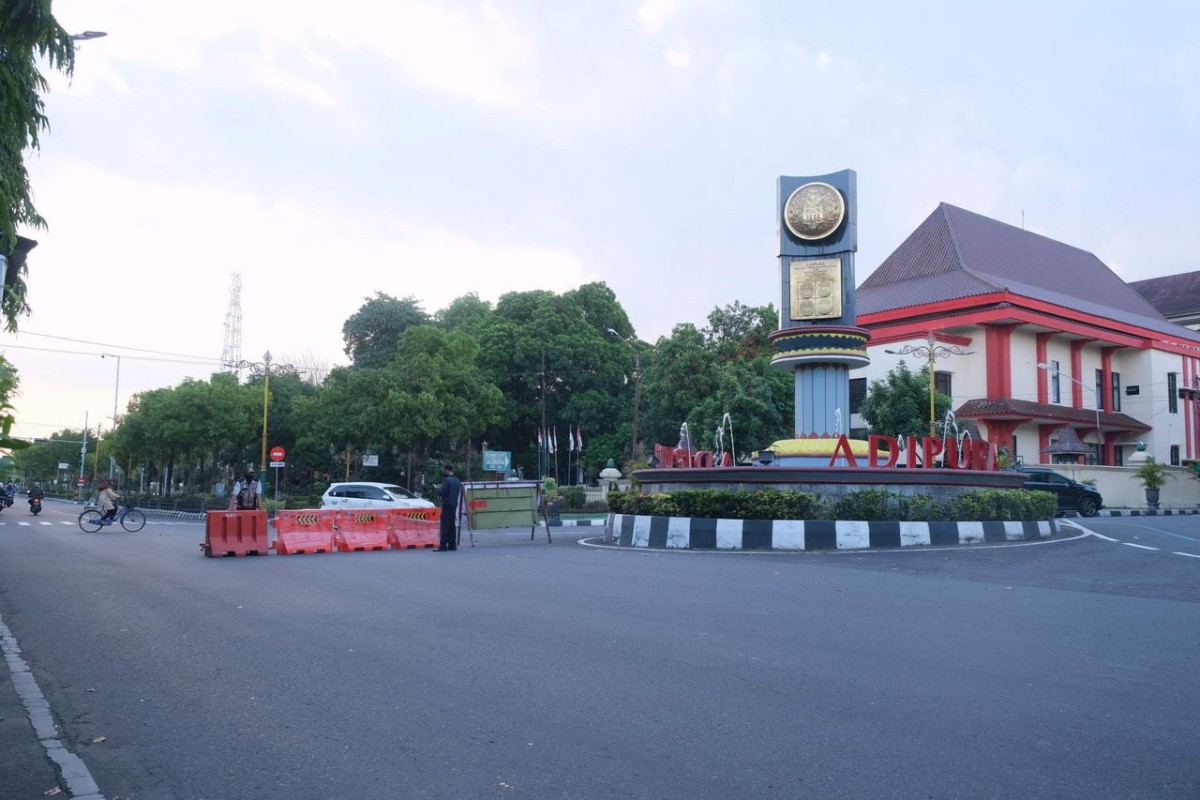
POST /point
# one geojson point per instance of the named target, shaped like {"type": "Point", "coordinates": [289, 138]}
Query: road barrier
{"type": "Point", "coordinates": [304, 531]}
{"type": "Point", "coordinates": [359, 530]}
{"type": "Point", "coordinates": [414, 527]}
{"type": "Point", "coordinates": [235, 533]}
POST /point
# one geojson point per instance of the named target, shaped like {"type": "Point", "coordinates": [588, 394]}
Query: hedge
{"type": "Point", "coordinates": [983, 505]}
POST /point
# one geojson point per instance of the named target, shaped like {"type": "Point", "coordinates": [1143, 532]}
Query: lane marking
{"type": "Point", "coordinates": [1166, 533]}
{"type": "Point", "coordinates": [72, 770]}
{"type": "Point", "coordinates": [1139, 546]}
{"type": "Point", "coordinates": [1189, 555]}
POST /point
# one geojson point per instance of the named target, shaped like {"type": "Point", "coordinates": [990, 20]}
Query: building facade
{"type": "Point", "coordinates": [1055, 340]}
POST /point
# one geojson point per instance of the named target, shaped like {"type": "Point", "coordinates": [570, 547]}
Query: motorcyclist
{"type": "Point", "coordinates": [36, 494]}
{"type": "Point", "coordinates": [10, 492]}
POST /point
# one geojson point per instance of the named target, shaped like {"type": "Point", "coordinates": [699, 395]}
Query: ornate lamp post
{"type": "Point", "coordinates": [931, 351]}
{"type": "Point", "coordinates": [266, 368]}
{"type": "Point", "coordinates": [637, 392]}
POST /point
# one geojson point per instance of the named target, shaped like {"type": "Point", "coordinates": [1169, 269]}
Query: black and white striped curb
{"type": "Point", "coordinates": [1145, 512]}
{"type": "Point", "coordinates": [687, 533]}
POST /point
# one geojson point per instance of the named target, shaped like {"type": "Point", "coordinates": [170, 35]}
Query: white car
{"type": "Point", "coordinates": [361, 494]}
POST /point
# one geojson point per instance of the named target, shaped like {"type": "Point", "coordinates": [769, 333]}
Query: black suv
{"type": "Point", "coordinates": [1072, 495]}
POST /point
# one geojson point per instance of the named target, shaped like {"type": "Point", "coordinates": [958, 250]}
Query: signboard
{"type": "Point", "coordinates": [497, 461]}
{"type": "Point", "coordinates": [277, 454]}
{"type": "Point", "coordinates": [371, 460]}
{"type": "Point", "coordinates": [81, 482]}
{"type": "Point", "coordinates": [277, 465]}
{"type": "Point", "coordinates": [63, 465]}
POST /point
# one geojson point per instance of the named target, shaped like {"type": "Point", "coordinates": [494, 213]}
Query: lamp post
{"type": "Point", "coordinates": [1099, 432]}
{"type": "Point", "coordinates": [116, 394]}
{"type": "Point", "coordinates": [637, 392]}
{"type": "Point", "coordinates": [931, 351]}
{"type": "Point", "coordinates": [266, 368]}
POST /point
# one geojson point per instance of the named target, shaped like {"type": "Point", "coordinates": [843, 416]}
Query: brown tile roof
{"type": "Point", "coordinates": [1008, 408]}
{"type": "Point", "coordinates": [1172, 295]}
{"type": "Point", "coordinates": [956, 254]}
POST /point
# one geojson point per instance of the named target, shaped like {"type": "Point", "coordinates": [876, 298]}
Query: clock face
{"type": "Point", "coordinates": [814, 211]}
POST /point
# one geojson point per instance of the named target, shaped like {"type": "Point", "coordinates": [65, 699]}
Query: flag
{"type": "Point", "coordinates": [553, 441]}
{"type": "Point", "coordinates": [579, 439]}
{"type": "Point", "coordinates": [540, 443]}
{"type": "Point", "coordinates": [570, 440]}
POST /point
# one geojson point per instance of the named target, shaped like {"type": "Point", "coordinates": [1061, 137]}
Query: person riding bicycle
{"type": "Point", "coordinates": [107, 499]}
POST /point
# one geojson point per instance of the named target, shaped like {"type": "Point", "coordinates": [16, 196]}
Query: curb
{"type": "Point", "coordinates": [1137, 512]}
{"type": "Point", "coordinates": [690, 533]}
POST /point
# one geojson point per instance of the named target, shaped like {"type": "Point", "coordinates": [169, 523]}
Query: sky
{"type": "Point", "coordinates": [432, 148]}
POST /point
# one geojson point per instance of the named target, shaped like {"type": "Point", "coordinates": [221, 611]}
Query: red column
{"type": "Point", "coordinates": [997, 340]}
{"type": "Point", "coordinates": [1043, 376]}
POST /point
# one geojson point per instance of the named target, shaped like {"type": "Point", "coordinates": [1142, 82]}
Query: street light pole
{"type": "Point", "coordinates": [266, 368]}
{"type": "Point", "coordinates": [1077, 382]}
{"type": "Point", "coordinates": [116, 395]}
{"type": "Point", "coordinates": [931, 351]}
{"type": "Point", "coordinates": [637, 392]}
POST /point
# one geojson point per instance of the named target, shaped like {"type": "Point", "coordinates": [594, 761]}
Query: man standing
{"type": "Point", "coordinates": [449, 490]}
{"type": "Point", "coordinates": [246, 493]}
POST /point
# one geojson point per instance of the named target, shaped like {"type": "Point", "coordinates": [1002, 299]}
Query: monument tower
{"type": "Point", "coordinates": [818, 337]}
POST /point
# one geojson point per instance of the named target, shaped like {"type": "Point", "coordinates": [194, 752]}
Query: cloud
{"type": "Point", "coordinates": [679, 59]}
{"type": "Point", "coordinates": [653, 15]}
{"type": "Point", "coordinates": [478, 51]}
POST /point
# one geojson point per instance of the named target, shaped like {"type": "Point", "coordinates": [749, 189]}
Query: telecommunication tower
{"type": "Point", "coordinates": [232, 354]}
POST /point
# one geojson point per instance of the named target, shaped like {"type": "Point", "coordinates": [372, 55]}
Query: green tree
{"type": "Point", "coordinates": [899, 404]}
{"type": "Point", "coordinates": [739, 332]}
{"type": "Point", "coordinates": [679, 377]}
{"type": "Point", "coordinates": [28, 33]}
{"type": "Point", "coordinates": [372, 333]}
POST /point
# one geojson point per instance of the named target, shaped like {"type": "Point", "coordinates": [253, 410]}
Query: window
{"type": "Point", "coordinates": [858, 393]}
{"type": "Point", "coordinates": [943, 384]}
{"type": "Point", "coordinates": [1174, 455]}
{"type": "Point", "coordinates": [1116, 391]}
{"type": "Point", "coordinates": [1099, 388]}
{"type": "Point", "coordinates": [1055, 382]}
{"type": "Point", "coordinates": [1173, 392]}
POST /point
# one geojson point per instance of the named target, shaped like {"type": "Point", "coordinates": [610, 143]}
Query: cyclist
{"type": "Point", "coordinates": [107, 499]}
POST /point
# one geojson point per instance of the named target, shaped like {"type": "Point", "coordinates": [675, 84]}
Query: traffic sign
{"type": "Point", "coordinates": [277, 453]}
{"type": "Point", "coordinates": [81, 482]}
{"type": "Point", "coordinates": [276, 465]}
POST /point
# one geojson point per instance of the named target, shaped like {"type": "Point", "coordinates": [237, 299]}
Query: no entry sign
{"type": "Point", "coordinates": [278, 453]}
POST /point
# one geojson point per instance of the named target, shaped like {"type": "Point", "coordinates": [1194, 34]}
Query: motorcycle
{"type": "Point", "coordinates": [8, 500]}
{"type": "Point", "coordinates": [35, 505]}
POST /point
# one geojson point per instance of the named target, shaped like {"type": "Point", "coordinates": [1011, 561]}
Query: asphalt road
{"type": "Point", "coordinates": [521, 669]}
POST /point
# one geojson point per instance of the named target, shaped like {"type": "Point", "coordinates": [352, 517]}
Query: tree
{"type": "Point", "coordinates": [8, 387]}
{"type": "Point", "coordinates": [28, 32]}
{"type": "Point", "coordinates": [899, 405]}
{"type": "Point", "coordinates": [739, 333]}
{"type": "Point", "coordinates": [680, 376]}
{"type": "Point", "coordinates": [372, 333]}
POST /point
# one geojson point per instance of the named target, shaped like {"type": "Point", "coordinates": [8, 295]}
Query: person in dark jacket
{"type": "Point", "coordinates": [449, 490]}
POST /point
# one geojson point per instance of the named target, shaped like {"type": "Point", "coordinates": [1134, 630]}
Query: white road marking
{"type": "Point", "coordinates": [1189, 555]}
{"type": "Point", "coordinates": [1139, 546]}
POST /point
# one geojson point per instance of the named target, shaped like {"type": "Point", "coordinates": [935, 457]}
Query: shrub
{"type": "Point", "coordinates": [574, 498]}
{"type": "Point", "coordinates": [983, 505]}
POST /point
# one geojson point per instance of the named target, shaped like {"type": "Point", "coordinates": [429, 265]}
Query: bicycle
{"type": "Point", "coordinates": [92, 519]}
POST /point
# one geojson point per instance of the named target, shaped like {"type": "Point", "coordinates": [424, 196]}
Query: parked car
{"type": "Point", "coordinates": [360, 494]}
{"type": "Point", "coordinates": [1072, 495]}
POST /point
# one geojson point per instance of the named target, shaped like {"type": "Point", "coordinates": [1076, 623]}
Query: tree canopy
{"type": "Point", "coordinates": [28, 34]}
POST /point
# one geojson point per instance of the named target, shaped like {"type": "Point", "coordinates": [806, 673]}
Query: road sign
{"type": "Point", "coordinates": [81, 482]}
{"type": "Point", "coordinates": [276, 464]}
{"type": "Point", "coordinates": [277, 453]}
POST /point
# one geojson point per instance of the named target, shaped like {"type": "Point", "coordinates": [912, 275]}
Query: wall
{"type": "Point", "coordinates": [1121, 490]}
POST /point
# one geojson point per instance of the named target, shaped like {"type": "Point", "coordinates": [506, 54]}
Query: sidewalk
{"type": "Point", "coordinates": [26, 772]}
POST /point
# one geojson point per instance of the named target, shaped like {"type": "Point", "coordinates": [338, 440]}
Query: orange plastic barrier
{"type": "Point", "coordinates": [362, 530]}
{"type": "Point", "coordinates": [306, 530]}
{"type": "Point", "coordinates": [235, 533]}
{"type": "Point", "coordinates": [414, 527]}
